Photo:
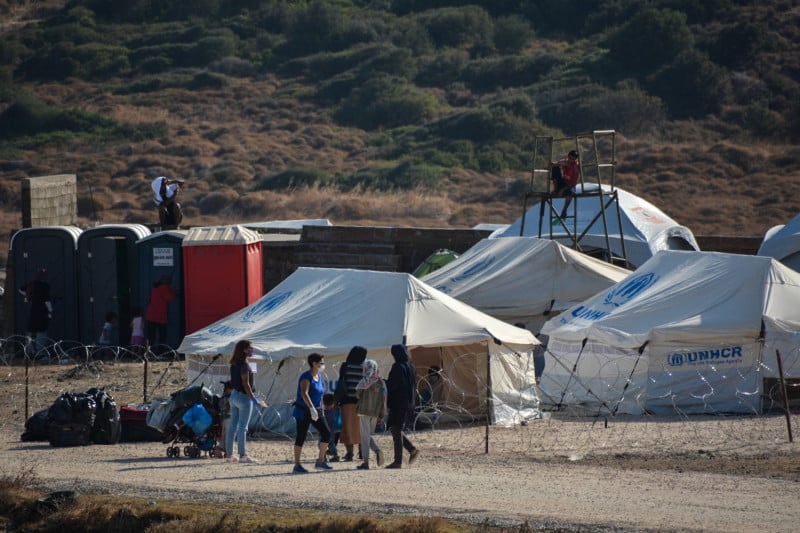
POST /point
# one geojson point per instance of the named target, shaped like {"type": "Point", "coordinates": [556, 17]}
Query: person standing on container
{"type": "Point", "coordinates": [165, 193]}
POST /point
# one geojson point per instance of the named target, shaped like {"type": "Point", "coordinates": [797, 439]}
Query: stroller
{"type": "Point", "coordinates": [190, 417]}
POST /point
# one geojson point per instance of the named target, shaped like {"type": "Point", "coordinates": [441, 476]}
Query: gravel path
{"type": "Point", "coordinates": [507, 489]}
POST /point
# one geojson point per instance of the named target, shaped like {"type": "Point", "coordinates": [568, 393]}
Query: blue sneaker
{"type": "Point", "coordinates": [323, 466]}
{"type": "Point", "coordinates": [299, 469]}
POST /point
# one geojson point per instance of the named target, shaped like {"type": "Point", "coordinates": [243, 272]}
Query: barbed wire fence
{"type": "Point", "coordinates": [452, 411]}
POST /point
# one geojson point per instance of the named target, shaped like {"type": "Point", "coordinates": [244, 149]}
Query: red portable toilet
{"type": "Point", "coordinates": [222, 273]}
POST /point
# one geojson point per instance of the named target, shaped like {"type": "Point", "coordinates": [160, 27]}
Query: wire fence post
{"type": "Point", "coordinates": [785, 396]}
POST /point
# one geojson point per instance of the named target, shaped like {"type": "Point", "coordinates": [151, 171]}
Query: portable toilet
{"type": "Point", "coordinates": [160, 255]}
{"type": "Point", "coordinates": [55, 249]}
{"type": "Point", "coordinates": [222, 273]}
{"type": "Point", "coordinates": [108, 279]}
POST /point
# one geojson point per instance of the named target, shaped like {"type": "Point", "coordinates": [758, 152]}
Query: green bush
{"type": "Point", "coordinates": [410, 175]}
{"type": "Point", "coordinates": [207, 80]}
{"type": "Point", "coordinates": [211, 48]}
{"type": "Point", "coordinates": [650, 39]}
{"type": "Point", "coordinates": [456, 27]}
{"type": "Point", "coordinates": [512, 33]}
{"type": "Point", "coordinates": [631, 111]}
{"type": "Point", "coordinates": [442, 69]}
{"type": "Point", "coordinates": [510, 71]}
{"type": "Point", "coordinates": [385, 102]}
{"type": "Point", "coordinates": [100, 61]}
{"type": "Point", "coordinates": [292, 178]}
{"type": "Point", "coordinates": [692, 86]}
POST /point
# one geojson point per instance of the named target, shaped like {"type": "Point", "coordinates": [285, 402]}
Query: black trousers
{"type": "Point", "coordinates": [396, 421]}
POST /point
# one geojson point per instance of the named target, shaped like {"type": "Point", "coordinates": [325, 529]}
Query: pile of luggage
{"type": "Point", "coordinates": [76, 419]}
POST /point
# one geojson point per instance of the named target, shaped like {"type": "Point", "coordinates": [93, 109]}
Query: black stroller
{"type": "Point", "coordinates": [193, 420]}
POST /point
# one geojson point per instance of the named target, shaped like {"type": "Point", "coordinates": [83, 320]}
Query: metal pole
{"type": "Point", "coordinates": [27, 365]}
{"type": "Point", "coordinates": [785, 396]}
{"type": "Point", "coordinates": [144, 378]}
{"type": "Point", "coordinates": [488, 397]}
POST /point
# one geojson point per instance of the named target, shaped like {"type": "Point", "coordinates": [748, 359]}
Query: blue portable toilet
{"type": "Point", "coordinates": [160, 255]}
{"type": "Point", "coordinates": [108, 279]}
{"type": "Point", "coordinates": [55, 249]}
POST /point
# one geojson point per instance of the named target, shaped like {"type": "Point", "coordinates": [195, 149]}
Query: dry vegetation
{"type": "Point", "coordinates": [225, 141]}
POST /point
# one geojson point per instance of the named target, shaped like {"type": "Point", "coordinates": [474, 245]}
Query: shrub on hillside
{"type": "Point", "coordinates": [692, 86]}
{"type": "Point", "coordinates": [650, 39]}
{"type": "Point", "coordinates": [210, 48]}
{"type": "Point", "coordinates": [493, 123]}
{"type": "Point", "coordinates": [441, 69]}
{"type": "Point", "coordinates": [508, 71]}
{"type": "Point", "coordinates": [216, 202]}
{"type": "Point", "coordinates": [324, 26]}
{"type": "Point", "coordinates": [30, 116]}
{"type": "Point", "coordinates": [512, 33]}
{"type": "Point", "coordinates": [385, 102]}
{"type": "Point", "coordinates": [631, 111]}
{"type": "Point", "coordinates": [457, 27]}
{"type": "Point", "coordinates": [412, 175]}
{"type": "Point", "coordinates": [100, 61]}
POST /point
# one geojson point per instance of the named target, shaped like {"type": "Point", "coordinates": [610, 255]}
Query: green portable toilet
{"type": "Point", "coordinates": [108, 279]}
{"type": "Point", "coordinates": [160, 255]}
{"type": "Point", "coordinates": [53, 248]}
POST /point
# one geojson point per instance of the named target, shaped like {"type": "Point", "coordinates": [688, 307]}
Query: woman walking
{"type": "Point", "coordinates": [371, 408]}
{"type": "Point", "coordinates": [350, 375]}
{"type": "Point", "coordinates": [307, 412]}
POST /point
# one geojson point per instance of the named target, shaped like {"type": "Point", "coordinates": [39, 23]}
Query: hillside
{"type": "Point", "coordinates": [300, 133]}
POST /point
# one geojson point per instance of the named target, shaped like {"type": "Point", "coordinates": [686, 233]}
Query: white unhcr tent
{"type": "Point", "coordinates": [524, 279]}
{"type": "Point", "coordinates": [329, 311]}
{"type": "Point", "coordinates": [687, 332]}
{"type": "Point", "coordinates": [783, 243]}
{"type": "Point", "coordinates": [645, 228]}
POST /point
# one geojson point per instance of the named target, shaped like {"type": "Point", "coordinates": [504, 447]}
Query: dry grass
{"type": "Point", "coordinates": [24, 506]}
{"type": "Point", "coordinates": [225, 142]}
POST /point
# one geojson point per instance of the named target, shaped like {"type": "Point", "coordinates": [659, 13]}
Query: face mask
{"type": "Point", "coordinates": [322, 367]}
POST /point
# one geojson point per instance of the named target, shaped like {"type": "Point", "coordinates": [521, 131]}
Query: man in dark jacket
{"type": "Point", "coordinates": [401, 391]}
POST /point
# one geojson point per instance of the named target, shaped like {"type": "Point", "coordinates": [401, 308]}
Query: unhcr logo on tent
{"type": "Point", "coordinates": [263, 307]}
{"type": "Point", "coordinates": [474, 269]}
{"type": "Point", "coordinates": [730, 354]}
{"type": "Point", "coordinates": [622, 294]}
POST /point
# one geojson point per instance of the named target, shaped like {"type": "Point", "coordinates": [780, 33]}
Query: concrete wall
{"type": "Point", "coordinates": [49, 201]}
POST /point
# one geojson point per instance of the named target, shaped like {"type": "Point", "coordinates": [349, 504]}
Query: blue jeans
{"type": "Point", "coordinates": [241, 411]}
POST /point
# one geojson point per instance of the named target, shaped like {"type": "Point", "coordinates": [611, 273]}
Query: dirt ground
{"type": "Point", "coordinates": [562, 472]}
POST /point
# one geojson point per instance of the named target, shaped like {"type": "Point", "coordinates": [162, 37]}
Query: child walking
{"type": "Point", "coordinates": [371, 408]}
{"type": "Point", "coordinates": [137, 330]}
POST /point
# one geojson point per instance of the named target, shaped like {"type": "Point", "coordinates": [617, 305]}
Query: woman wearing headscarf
{"type": "Point", "coordinates": [371, 407]}
{"type": "Point", "coordinates": [401, 391]}
{"type": "Point", "coordinates": [350, 375]}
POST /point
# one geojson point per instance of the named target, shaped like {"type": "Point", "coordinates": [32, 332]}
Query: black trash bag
{"type": "Point", "coordinates": [37, 426]}
{"type": "Point", "coordinates": [107, 428]}
{"type": "Point", "coordinates": [69, 434]}
{"type": "Point", "coordinates": [73, 408]}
